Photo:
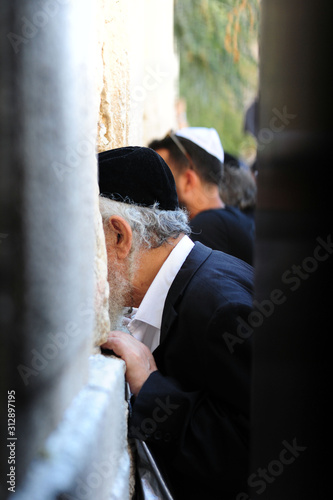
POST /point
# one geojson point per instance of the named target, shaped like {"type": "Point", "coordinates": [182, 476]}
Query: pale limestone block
{"type": "Point", "coordinates": [136, 72]}
{"type": "Point", "coordinates": [114, 96]}
{"type": "Point", "coordinates": [50, 89]}
{"type": "Point", "coordinates": [86, 457]}
{"type": "Point", "coordinates": [161, 71]}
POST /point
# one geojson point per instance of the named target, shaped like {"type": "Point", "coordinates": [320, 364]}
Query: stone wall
{"type": "Point", "coordinates": [86, 457]}
{"type": "Point", "coordinates": [48, 192]}
{"type": "Point", "coordinates": [138, 75]}
{"type": "Point", "coordinates": [76, 77]}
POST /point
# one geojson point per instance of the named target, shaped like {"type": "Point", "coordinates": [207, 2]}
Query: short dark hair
{"type": "Point", "coordinates": [208, 167]}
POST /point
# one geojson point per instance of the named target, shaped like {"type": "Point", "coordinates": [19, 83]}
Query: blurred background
{"type": "Point", "coordinates": [217, 44]}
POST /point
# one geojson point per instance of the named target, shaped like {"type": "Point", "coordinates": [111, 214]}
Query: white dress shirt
{"type": "Point", "coordinates": [144, 322]}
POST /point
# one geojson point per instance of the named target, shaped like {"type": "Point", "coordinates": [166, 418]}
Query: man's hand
{"type": "Point", "coordinates": [139, 360]}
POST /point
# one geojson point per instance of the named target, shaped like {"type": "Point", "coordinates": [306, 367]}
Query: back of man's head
{"type": "Point", "coordinates": [194, 147]}
{"type": "Point", "coordinates": [238, 187]}
{"type": "Point", "coordinates": [137, 175]}
{"type": "Point", "coordinates": [137, 184]}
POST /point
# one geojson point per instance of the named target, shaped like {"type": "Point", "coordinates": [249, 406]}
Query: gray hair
{"type": "Point", "coordinates": [238, 187]}
{"type": "Point", "coordinates": [151, 227]}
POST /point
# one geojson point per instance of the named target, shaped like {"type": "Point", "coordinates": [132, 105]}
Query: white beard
{"type": "Point", "coordinates": [120, 280]}
{"type": "Point", "coordinates": [119, 289]}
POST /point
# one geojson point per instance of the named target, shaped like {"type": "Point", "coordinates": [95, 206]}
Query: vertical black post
{"type": "Point", "coordinates": [292, 326]}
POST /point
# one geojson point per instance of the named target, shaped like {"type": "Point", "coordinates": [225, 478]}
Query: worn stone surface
{"type": "Point", "coordinates": [159, 86]}
{"type": "Point", "coordinates": [137, 72]}
{"type": "Point", "coordinates": [86, 456]}
{"type": "Point", "coordinates": [113, 80]}
{"type": "Point", "coordinates": [73, 71]}
{"type": "Point", "coordinates": [51, 163]}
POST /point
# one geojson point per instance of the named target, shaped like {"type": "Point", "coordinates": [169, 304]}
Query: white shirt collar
{"type": "Point", "coordinates": [151, 308]}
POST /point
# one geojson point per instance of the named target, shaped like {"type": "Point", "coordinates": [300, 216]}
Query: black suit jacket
{"type": "Point", "coordinates": [194, 411]}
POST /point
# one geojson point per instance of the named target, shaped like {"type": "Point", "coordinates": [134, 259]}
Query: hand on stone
{"type": "Point", "coordinates": [139, 360]}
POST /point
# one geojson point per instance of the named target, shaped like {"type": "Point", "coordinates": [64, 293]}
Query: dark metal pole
{"type": "Point", "coordinates": [292, 325]}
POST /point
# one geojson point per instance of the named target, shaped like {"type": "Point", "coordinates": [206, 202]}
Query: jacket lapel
{"type": "Point", "coordinates": [194, 260]}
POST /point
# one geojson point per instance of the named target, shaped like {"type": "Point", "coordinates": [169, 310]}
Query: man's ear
{"type": "Point", "coordinates": [190, 179]}
{"type": "Point", "coordinates": [121, 236]}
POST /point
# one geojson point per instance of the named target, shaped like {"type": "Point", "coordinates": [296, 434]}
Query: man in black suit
{"type": "Point", "coordinates": [188, 355]}
{"type": "Point", "coordinates": [196, 159]}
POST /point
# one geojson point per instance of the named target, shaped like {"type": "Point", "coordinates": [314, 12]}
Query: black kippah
{"type": "Point", "coordinates": [138, 175]}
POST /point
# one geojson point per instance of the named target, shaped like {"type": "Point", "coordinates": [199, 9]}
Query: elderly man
{"type": "Point", "coordinates": [187, 360]}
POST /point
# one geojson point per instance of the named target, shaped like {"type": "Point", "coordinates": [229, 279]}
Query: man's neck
{"type": "Point", "coordinates": [150, 262]}
{"type": "Point", "coordinates": [206, 199]}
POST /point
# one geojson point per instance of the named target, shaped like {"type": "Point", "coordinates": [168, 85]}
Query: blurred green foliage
{"type": "Point", "coordinates": [217, 45]}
